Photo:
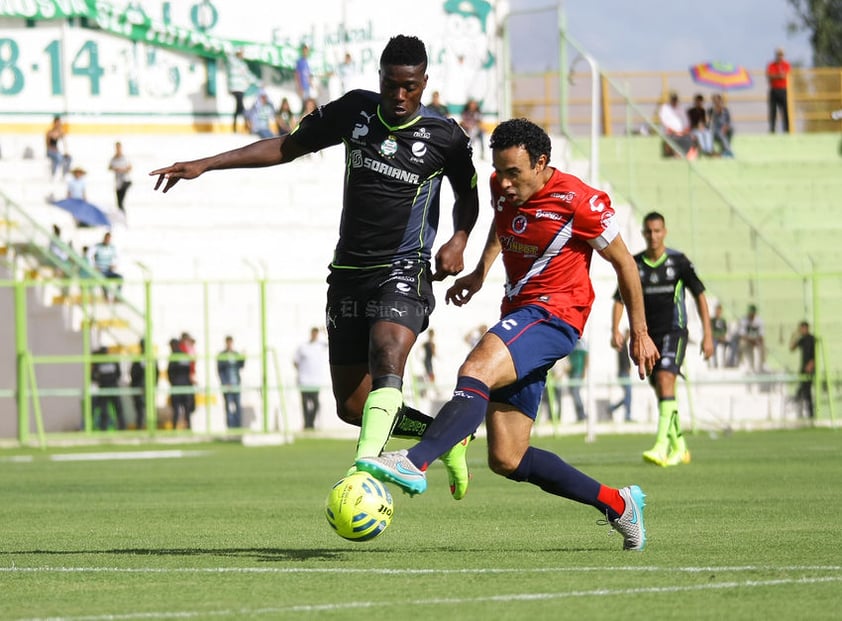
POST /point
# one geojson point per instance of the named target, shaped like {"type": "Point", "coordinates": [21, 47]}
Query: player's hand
{"type": "Point", "coordinates": [179, 170]}
{"type": "Point", "coordinates": [618, 340]}
{"type": "Point", "coordinates": [643, 353]}
{"type": "Point", "coordinates": [463, 289]}
{"type": "Point", "coordinates": [707, 347]}
{"type": "Point", "coordinates": [449, 259]}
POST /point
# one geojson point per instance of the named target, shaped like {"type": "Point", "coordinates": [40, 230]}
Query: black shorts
{"type": "Point", "coordinates": [401, 293]}
{"type": "Point", "coordinates": [671, 346]}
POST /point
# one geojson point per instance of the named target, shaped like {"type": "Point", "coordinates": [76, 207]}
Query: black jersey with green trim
{"type": "Point", "coordinates": [664, 282]}
{"type": "Point", "coordinates": [393, 176]}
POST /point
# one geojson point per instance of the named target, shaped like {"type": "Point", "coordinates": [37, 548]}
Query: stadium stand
{"type": "Point", "coordinates": [206, 244]}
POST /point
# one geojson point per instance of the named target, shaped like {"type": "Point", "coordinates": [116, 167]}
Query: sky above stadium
{"type": "Point", "coordinates": [658, 35]}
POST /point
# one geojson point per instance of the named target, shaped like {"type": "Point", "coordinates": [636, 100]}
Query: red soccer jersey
{"type": "Point", "coordinates": [547, 244]}
{"type": "Point", "coordinates": [777, 68]}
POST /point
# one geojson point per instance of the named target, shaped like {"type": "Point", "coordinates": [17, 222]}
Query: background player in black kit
{"type": "Point", "coordinates": [664, 275]}
{"type": "Point", "coordinates": [380, 283]}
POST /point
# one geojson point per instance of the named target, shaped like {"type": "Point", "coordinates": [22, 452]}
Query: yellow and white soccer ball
{"type": "Point", "coordinates": [359, 507]}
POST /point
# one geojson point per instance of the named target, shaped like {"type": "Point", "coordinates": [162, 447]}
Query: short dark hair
{"type": "Point", "coordinates": [654, 215]}
{"type": "Point", "coordinates": [405, 50]}
{"type": "Point", "coordinates": [522, 133]}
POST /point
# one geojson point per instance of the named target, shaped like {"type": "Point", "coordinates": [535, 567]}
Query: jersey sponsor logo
{"type": "Point", "coordinates": [567, 197]}
{"type": "Point", "coordinates": [383, 168]}
{"type": "Point", "coordinates": [389, 147]}
{"type": "Point", "coordinates": [419, 149]}
{"type": "Point", "coordinates": [511, 244]}
{"type": "Point", "coordinates": [519, 224]}
{"type": "Point", "coordinates": [606, 218]}
{"type": "Point", "coordinates": [421, 132]}
{"type": "Point", "coordinates": [548, 214]}
{"type": "Point", "coordinates": [500, 202]}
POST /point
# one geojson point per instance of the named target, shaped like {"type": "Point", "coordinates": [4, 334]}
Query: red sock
{"type": "Point", "coordinates": [612, 499]}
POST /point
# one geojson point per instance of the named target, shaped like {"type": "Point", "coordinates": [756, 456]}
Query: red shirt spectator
{"type": "Point", "coordinates": [778, 71]}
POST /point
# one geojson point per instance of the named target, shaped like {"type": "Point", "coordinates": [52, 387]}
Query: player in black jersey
{"type": "Point", "coordinates": [380, 295]}
{"type": "Point", "coordinates": [664, 274]}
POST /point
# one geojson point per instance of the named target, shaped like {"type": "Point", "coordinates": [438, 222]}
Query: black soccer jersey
{"type": "Point", "coordinates": [664, 283]}
{"type": "Point", "coordinates": [393, 176]}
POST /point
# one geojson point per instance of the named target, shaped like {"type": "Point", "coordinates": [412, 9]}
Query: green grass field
{"type": "Point", "coordinates": [749, 530]}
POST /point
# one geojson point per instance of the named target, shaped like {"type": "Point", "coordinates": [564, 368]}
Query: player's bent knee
{"type": "Point", "coordinates": [350, 416]}
{"type": "Point", "coordinates": [500, 465]}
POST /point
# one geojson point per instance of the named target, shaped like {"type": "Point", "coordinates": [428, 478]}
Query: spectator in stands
{"type": "Point", "coordinates": [59, 251]}
{"type": "Point", "coordinates": [474, 336]}
{"type": "Point", "coordinates": [429, 350]}
{"type": "Point", "coordinates": [137, 379]}
{"type": "Point", "coordinates": [311, 363]}
{"type": "Point", "coordinates": [121, 167]}
{"type": "Point", "coordinates": [178, 374]}
{"type": "Point", "coordinates": [308, 106]}
{"type": "Point", "coordinates": [805, 342]}
{"type": "Point", "coordinates": [104, 259]}
{"type": "Point", "coordinates": [261, 116]}
{"type": "Point", "coordinates": [699, 129]}
{"type": "Point", "coordinates": [777, 74]}
{"type": "Point", "coordinates": [623, 377]}
{"type": "Point", "coordinates": [229, 365]}
{"type": "Point", "coordinates": [578, 359]}
{"type": "Point", "coordinates": [437, 105]}
{"type": "Point", "coordinates": [349, 77]}
{"type": "Point", "coordinates": [720, 125]}
{"type": "Point", "coordinates": [676, 127]}
{"type": "Point", "coordinates": [719, 330]}
{"type": "Point", "coordinates": [77, 186]}
{"type": "Point", "coordinates": [471, 122]}
{"type": "Point", "coordinates": [285, 119]}
{"type": "Point", "coordinates": [106, 374]}
{"type": "Point", "coordinates": [304, 85]}
{"type": "Point", "coordinates": [56, 143]}
{"type": "Point", "coordinates": [750, 343]}
{"type": "Point", "coordinates": [240, 79]}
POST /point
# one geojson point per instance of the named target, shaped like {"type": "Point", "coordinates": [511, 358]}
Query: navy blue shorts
{"type": "Point", "coordinates": [401, 293]}
{"type": "Point", "coordinates": [536, 340]}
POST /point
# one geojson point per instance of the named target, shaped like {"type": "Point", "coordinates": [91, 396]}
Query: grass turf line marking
{"type": "Point", "coordinates": [386, 571]}
{"type": "Point", "coordinates": [127, 455]}
{"type": "Point", "coordinates": [515, 597]}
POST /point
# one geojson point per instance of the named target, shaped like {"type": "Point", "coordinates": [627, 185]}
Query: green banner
{"type": "Point", "coordinates": [132, 23]}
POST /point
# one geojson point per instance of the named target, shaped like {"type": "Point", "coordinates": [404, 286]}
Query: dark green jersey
{"type": "Point", "coordinates": [664, 282]}
{"type": "Point", "coordinates": [393, 176]}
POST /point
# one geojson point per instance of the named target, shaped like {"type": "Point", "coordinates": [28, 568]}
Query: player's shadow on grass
{"type": "Point", "coordinates": [267, 555]}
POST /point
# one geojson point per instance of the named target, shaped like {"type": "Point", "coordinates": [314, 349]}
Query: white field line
{"type": "Point", "coordinates": [504, 598]}
{"type": "Point", "coordinates": [167, 454]}
{"type": "Point", "coordinates": [389, 571]}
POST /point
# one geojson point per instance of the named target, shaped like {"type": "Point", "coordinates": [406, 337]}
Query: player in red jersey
{"type": "Point", "coordinates": [546, 225]}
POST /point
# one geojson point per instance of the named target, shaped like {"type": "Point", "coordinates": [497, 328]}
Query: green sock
{"type": "Point", "coordinates": [676, 438]}
{"type": "Point", "coordinates": [381, 408]}
{"type": "Point", "coordinates": [666, 409]}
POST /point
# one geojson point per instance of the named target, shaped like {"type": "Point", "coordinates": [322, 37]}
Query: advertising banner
{"type": "Point", "coordinates": [150, 61]}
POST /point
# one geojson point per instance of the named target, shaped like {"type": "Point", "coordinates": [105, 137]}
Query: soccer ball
{"type": "Point", "coordinates": [359, 507]}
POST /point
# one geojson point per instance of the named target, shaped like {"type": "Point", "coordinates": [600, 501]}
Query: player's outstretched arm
{"type": "Point", "coordinates": [255, 155]}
